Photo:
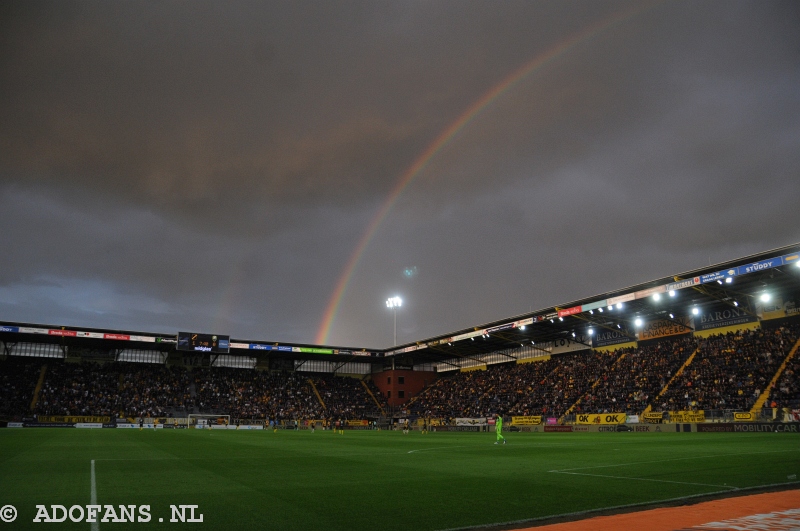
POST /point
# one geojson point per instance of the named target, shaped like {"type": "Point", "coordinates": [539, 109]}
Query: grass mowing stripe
{"type": "Point", "coordinates": [675, 459]}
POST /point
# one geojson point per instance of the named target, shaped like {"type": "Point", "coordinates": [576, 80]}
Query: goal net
{"type": "Point", "coordinates": [203, 421]}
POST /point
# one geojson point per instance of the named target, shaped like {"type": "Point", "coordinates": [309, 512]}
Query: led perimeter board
{"type": "Point", "coordinates": [203, 342]}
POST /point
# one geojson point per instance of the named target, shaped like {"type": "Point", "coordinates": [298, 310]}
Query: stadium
{"type": "Point", "coordinates": [661, 396]}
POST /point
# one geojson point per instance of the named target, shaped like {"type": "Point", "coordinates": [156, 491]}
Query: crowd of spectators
{"type": "Point", "coordinates": [786, 392]}
{"type": "Point", "coordinates": [729, 371]}
{"type": "Point", "coordinates": [18, 378]}
{"type": "Point", "coordinates": [637, 377]}
{"type": "Point", "coordinates": [156, 390]}
{"type": "Point", "coordinates": [548, 387]}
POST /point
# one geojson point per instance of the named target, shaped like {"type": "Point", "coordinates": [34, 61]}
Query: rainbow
{"type": "Point", "coordinates": [444, 138]}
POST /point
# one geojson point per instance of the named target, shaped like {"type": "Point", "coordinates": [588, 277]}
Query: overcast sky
{"type": "Point", "coordinates": [214, 166]}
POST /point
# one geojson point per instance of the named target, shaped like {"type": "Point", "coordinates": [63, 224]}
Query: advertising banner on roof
{"type": "Point", "coordinates": [506, 326]}
{"type": "Point", "coordinates": [468, 335]}
{"type": "Point", "coordinates": [564, 345]}
{"type": "Point", "coordinates": [621, 298]}
{"type": "Point", "coordinates": [569, 311]}
{"type": "Point", "coordinates": [14, 329]}
{"type": "Point", "coordinates": [665, 327]}
{"type": "Point", "coordinates": [719, 275]}
{"type": "Point", "coordinates": [763, 265]}
{"type": "Point", "coordinates": [717, 316]}
{"type": "Point", "coordinates": [594, 305]}
{"type": "Point", "coordinates": [650, 291]}
{"type": "Point", "coordinates": [604, 338]}
{"type": "Point", "coordinates": [681, 284]}
{"type": "Point", "coordinates": [308, 350]}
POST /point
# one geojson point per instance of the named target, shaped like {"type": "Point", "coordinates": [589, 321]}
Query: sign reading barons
{"type": "Point", "coordinates": [665, 327]}
{"type": "Point", "coordinates": [610, 337]}
{"type": "Point", "coordinates": [602, 418]}
{"type": "Point", "coordinates": [719, 316]}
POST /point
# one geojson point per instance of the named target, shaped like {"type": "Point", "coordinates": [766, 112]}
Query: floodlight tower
{"type": "Point", "coordinates": [394, 303]}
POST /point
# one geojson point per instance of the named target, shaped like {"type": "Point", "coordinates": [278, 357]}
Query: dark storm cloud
{"type": "Point", "coordinates": [213, 165]}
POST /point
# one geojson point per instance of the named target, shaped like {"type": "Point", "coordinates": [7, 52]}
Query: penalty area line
{"type": "Point", "coordinates": [645, 479]}
{"type": "Point", "coordinates": [93, 497]}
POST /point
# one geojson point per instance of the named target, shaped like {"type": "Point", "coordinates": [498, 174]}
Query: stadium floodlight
{"type": "Point", "coordinates": [522, 327]}
{"type": "Point", "coordinates": [719, 282]}
{"type": "Point", "coordinates": [394, 303]}
{"type": "Point", "coordinates": [638, 321]}
{"type": "Point", "coordinates": [601, 310]}
{"type": "Point", "coordinates": [619, 306]}
{"type": "Point", "coordinates": [618, 326]}
{"type": "Point", "coordinates": [591, 331]}
{"type": "Point", "coordinates": [797, 263]}
{"type": "Point", "coordinates": [766, 297]}
{"type": "Point", "coordinates": [560, 318]}
{"type": "Point", "coordinates": [728, 280]}
{"type": "Point", "coordinates": [736, 303]}
{"type": "Point", "coordinates": [656, 297]}
{"type": "Point", "coordinates": [672, 293]}
{"type": "Point", "coordinates": [671, 316]}
{"type": "Point", "coordinates": [552, 321]}
{"type": "Point", "coordinates": [695, 311]}
{"type": "Point", "coordinates": [591, 312]}
{"type": "Point", "coordinates": [573, 334]}
{"type": "Point", "coordinates": [610, 307]}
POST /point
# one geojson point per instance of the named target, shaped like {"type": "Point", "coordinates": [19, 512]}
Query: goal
{"type": "Point", "coordinates": [203, 421]}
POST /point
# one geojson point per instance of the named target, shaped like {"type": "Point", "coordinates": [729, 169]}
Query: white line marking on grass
{"type": "Point", "coordinates": [672, 459]}
{"type": "Point", "coordinates": [437, 448]}
{"type": "Point", "coordinates": [646, 479]}
{"type": "Point", "coordinates": [95, 524]}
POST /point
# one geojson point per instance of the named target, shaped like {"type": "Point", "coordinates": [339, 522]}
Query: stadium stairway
{"type": "Point", "coordinates": [366, 387]}
{"type": "Point", "coordinates": [759, 403]}
{"type": "Point", "coordinates": [666, 387]}
{"type": "Point", "coordinates": [38, 388]}
{"type": "Point", "coordinates": [314, 388]}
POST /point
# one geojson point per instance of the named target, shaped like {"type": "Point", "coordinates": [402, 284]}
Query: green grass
{"type": "Point", "coordinates": [369, 480]}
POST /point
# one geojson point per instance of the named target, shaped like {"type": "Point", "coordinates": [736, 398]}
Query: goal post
{"type": "Point", "coordinates": [205, 421]}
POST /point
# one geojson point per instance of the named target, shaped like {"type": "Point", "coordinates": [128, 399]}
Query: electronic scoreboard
{"type": "Point", "coordinates": [203, 342]}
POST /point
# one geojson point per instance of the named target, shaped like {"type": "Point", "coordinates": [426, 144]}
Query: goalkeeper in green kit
{"type": "Point", "coordinates": [498, 428]}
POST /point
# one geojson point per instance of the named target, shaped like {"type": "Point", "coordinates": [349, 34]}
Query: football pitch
{"type": "Point", "coordinates": [369, 479]}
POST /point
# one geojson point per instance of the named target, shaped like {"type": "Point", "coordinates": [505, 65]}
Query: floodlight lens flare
{"type": "Point", "coordinates": [638, 322]}
{"type": "Point", "coordinates": [695, 311]}
{"type": "Point", "coordinates": [765, 297]}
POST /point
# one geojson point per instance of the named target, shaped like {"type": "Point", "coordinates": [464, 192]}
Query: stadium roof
{"type": "Point", "coordinates": [734, 284]}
